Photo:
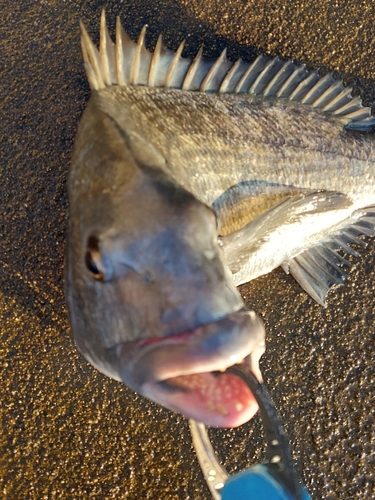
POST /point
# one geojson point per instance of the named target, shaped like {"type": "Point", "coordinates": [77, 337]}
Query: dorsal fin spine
{"type": "Point", "coordinates": [358, 114]}
{"type": "Point", "coordinates": [258, 81]}
{"type": "Point", "coordinates": [304, 86]}
{"type": "Point", "coordinates": [349, 107]}
{"type": "Point", "coordinates": [251, 70]}
{"type": "Point", "coordinates": [103, 48]}
{"type": "Point", "coordinates": [320, 86]}
{"type": "Point", "coordinates": [88, 68]}
{"type": "Point", "coordinates": [154, 62]}
{"type": "Point", "coordinates": [172, 68]}
{"type": "Point", "coordinates": [342, 98]}
{"type": "Point", "coordinates": [119, 51]}
{"type": "Point", "coordinates": [137, 57]}
{"type": "Point", "coordinates": [106, 52]}
{"type": "Point", "coordinates": [279, 78]}
{"type": "Point", "coordinates": [93, 59]}
{"type": "Point", "coordinates": [326, 96]}
{"type": "Point", "coordinates": [230, 81]}
{"type": "Point", "coordinates": [192, 70]}
{"type": "Point", "coordinates": [291, 83]}
{"type": "Point", "coordinates": [205, 85]}
{"type": "Point", "coordinates": [124, 45]}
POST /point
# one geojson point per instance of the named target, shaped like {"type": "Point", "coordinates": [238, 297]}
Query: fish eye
{"type": "Point", "coordinates": [94, 260]}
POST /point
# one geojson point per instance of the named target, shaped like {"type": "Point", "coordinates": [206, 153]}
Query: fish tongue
{"type": "Point", "coordinates": [222, 390]}
{"type": "Point", "coordinates": [218, 399]}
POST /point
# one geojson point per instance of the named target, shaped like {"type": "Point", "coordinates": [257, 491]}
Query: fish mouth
{"type": "Point", "coordinates": [186, 372]}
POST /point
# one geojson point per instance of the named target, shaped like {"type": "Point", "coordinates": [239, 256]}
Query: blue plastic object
{"type": "Point", "coordinates": [276, 479]}
{"type": "Point", "coordinates": [256, 483]}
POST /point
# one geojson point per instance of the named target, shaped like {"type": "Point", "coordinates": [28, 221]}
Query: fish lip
{"type": "Point", "coordinates": [204, 349]}
{"type": "Point", "coordinates": [165, 370]}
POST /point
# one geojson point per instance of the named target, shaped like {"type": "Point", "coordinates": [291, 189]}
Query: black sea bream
{"type": "Point", "coordinates": [189, 178]}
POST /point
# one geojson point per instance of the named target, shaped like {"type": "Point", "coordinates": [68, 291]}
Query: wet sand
{"type": "Point", "coordinates": [67, 432]}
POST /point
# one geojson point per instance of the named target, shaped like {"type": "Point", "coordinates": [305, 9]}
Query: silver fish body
{"type": "Point", "coordinates": [187, 179]}
{"type": "Point", "coordinates": [243, 155]}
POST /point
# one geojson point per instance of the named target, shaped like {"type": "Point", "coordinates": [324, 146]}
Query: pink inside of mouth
{"type": "Point", "coordinates": [222, 400]}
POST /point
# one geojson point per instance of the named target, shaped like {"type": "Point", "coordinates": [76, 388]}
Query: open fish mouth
{"type": "Point", "coordinates": [186, 372]}
{"type": "Point", "coordinates": [215, 398]}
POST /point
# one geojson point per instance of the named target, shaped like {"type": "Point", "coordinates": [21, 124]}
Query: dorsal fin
{"type": "Point", "coordinates": [128, 63]}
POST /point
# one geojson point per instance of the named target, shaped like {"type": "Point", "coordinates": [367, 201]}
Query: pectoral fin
{"type": "Point", "coordinates": [268, 237]}
{"type": "Point", "coordinates": [285, 235]}
{"type": "Point", "coordinates": [319, 268]}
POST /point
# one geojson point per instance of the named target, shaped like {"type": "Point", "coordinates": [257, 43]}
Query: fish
{"type": "Point", "coordinates": [189, 177]}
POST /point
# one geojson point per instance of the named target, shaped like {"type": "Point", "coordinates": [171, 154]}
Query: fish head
{"type": "Point", "coordinates": [151, 301]}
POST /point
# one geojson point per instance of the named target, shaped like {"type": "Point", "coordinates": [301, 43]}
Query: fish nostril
{"type": "Point", "coordinates": [148, 277]}
{"type": "Point", "coordinates": [93, 259]}
{"type": "Point", "coordinates": [93, 267]}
